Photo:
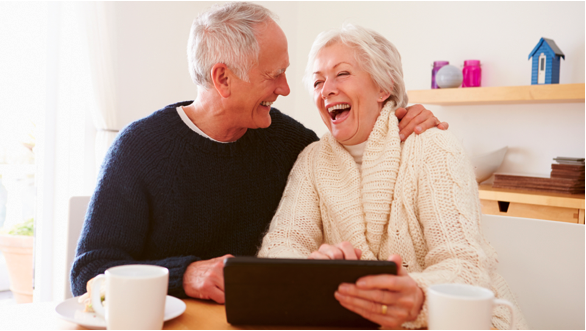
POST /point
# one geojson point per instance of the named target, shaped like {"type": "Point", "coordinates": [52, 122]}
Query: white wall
{"type": "Point", "coordinates": [152, 69]}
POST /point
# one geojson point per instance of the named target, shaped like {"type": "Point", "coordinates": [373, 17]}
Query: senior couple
{"type": "Point", "coordinates": [226, 174]}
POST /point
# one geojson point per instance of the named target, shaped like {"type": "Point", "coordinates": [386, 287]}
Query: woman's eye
{"type": "Point", "coordinates": [316, 83]}
{"type": "Point", "coordinates": [343, 73]}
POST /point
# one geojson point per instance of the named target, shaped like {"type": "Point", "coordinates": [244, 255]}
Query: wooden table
{"type": "Point", "coordinates": [198, 315]}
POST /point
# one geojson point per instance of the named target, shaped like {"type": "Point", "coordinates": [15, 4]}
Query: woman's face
{"type": "Point", "coordinates": [347, 98]}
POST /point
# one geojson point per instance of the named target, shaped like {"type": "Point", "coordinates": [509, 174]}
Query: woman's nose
{"type": "Point", "coordinates": [328, 89]}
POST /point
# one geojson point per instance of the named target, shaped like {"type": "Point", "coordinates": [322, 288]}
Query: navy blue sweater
{"type": "Point", "coordinates": [168, 196]}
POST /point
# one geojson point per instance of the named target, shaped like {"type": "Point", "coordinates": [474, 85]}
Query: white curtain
{"type": "Point", "coordinates": [50, 78]}
{"type": "Point", "coordinates": [101, 45]}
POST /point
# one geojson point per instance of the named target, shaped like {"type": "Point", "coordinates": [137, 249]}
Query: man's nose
{"type": "Point", "coordinates": [282, 86]}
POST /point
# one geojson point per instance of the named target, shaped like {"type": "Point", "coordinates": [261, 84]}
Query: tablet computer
{"type": "Point", "coordinates": [300, 292]}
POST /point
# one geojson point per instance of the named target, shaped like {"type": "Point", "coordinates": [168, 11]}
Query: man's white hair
{"type": "Point", "coordinates": [225, 34]}
{"type": "Point", "coordinates": [373, 52]}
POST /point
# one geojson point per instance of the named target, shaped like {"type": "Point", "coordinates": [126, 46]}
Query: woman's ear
{"type": "Point", "coordinates": [382, 96]}
{"type": "Point", "coordinates": [221, 79]}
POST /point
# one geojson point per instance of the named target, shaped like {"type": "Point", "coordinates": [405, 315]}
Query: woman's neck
{"type": "Point", "coordinates": [356, 151]}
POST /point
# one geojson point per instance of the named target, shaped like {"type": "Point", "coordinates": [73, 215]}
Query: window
{"type": "Point", "coordinates": [23, 36]}
{"type": "Point", "coordinates": [45, 117]}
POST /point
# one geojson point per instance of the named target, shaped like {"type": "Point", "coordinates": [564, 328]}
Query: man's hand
{"type": "Point", "coordinates": [205, 279]}
{"type": "Point", "coordinates": [387, 300]}
{"type": "Point", "coordinates": [341, 251]}
{"type": "Point", "coordinates": [417, 119]}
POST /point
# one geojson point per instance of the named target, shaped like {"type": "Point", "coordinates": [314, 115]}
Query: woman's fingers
{"type": "Point", "coordinates": [386, 282]}
{"type": "Point", "coordinates": [392, 318]}
{"type": "Point", "coordinates": [348, 251]}
{"type": "Point", "coordinates": [333, 252]}
{"type": "Point", "coordinates": [341, 251]}
{"type": "Point", "coordinates": [389, 300]}
{"type": "Point", "coordinates": [376, 295]}
{"type": "Point", "coordinates": [399, 262]}
{"type": "Point", "coordinates": [318, 256]}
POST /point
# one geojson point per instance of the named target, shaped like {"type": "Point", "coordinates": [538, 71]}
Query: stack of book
{"type": "Point", "coordinates": [567, 176]}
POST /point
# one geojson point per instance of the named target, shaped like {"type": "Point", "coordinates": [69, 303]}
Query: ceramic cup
{"type": "Point", "coordinates": [135, 297]}
{"type": "Point", "coordinates": [462, 307]}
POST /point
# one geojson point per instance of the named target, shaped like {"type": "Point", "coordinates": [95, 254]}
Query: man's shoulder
{"type": "Point", "coordinates": [167, 113]}
{"type": "Point", "coordinates": [157, 129]}
{"type": "Point", "coordinates": [284, 123]}
{"type": "Point", "coordinates": [160, 122]}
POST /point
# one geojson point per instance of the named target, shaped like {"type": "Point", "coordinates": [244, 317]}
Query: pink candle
{"type": "Point", "coordinates": [471, 73]}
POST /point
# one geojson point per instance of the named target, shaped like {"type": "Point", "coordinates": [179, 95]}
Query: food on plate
{"type": "Point", "coordinates": [86, 298]}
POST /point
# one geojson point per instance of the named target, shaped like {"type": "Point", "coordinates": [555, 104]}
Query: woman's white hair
{"type": "Point", "coordinates": [375, 54]}
{"type": "Point", "coordinates": [225, 34]}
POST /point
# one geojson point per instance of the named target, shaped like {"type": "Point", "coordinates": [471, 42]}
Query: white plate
{"type": "Point", "coordinates": [71, 310]}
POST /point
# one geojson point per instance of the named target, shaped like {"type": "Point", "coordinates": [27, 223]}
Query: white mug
{"type": "Point", "coordinates": [135, 296]}
{"type": "Point", "coordinates": [462, 307]}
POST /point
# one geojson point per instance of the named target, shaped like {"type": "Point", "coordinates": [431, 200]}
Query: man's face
{"type": "Point", "coordinates": [267, 79]}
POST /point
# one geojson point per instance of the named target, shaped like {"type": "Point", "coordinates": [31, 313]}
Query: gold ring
{"type": "Point", "coordinates": [384, 309]}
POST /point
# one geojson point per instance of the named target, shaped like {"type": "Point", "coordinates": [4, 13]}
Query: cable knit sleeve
{"type": "Point", "coordinates": [444, 198]}
{"type": "Point", "coordinates": [296, 229]}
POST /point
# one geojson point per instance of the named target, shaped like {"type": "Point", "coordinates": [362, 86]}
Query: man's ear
{"type": "Point", "coordinates": [221, 79]}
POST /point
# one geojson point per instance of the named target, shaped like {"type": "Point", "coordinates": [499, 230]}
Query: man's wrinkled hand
{"type": "Point", "coordinates": [417, 119]}
{"type": "Point", "coordinates": [205, 279]}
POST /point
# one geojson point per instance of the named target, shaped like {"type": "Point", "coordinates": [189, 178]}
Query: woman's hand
{"type": "Point", "coordinates": [417, 119]}
{"type": "Point", "coordinates": [341, 251]}
{"type": "Point", "coordinates": [387, 300]}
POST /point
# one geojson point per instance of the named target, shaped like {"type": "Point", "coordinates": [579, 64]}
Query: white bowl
{"type": "Point", "coordinates": [486, 164]}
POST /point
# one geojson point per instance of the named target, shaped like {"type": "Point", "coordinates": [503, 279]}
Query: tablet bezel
{"type": "Point", "coordinates": [296, 292]}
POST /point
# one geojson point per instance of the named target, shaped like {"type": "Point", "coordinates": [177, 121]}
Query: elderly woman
{"type": "Point", "coordinates": [361, 193]}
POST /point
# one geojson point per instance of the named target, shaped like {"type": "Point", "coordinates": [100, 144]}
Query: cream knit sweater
{"type": "Point", "coordinates": [418, 199]}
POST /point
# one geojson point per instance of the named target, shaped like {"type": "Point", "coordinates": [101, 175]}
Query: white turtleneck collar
{"type": "Point", "coordinates": [356, 151]}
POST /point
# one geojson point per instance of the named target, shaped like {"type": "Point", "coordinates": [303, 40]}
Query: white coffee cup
{"type": "Point", "coordinates": [135, 296]}
{"type": "Point", "coordinates": [462, 307]}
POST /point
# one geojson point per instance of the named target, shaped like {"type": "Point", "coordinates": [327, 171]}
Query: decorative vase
{"type": "Point", "coordinates": [437, 65]}
{"type": "Point", "coordinates": [18, 252]}
{"type": "Point", "coordinates": [448, 76]}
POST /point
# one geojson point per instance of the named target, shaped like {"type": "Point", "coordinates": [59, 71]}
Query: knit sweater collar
{"type": "Point", "coordinates": [360, 200]}
{"type": "Point", "coordinates": [238, 147]}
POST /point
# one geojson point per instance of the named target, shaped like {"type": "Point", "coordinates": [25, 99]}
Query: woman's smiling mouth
{"type": "Point", "coordinates": [339, 112]}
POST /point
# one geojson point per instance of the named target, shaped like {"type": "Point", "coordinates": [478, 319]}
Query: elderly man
{"type": "Point", "coordinates": [198, 181]}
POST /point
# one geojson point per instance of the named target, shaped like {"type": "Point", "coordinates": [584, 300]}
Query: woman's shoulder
{"type": "Point", "coordinates": [439, 152]}
{"type": "Point", "coordinates": [435, 139]}
{"type": "Point", "coordinates": [309, 153]}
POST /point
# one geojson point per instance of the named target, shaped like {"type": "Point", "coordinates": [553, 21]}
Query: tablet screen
{"type": "Point", "coordinates": [300, 292]}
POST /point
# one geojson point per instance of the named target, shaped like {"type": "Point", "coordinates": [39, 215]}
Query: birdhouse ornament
{"type": "Point", "coordinates": [545, 67]}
